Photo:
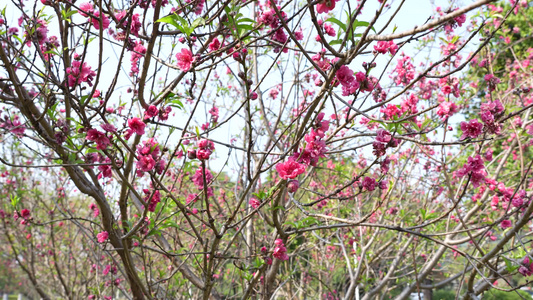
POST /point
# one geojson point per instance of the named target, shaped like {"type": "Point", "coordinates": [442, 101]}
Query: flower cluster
{"type": "Point", "coordinates": [383, 141]}
{"type": "Point", "coordinates": [38, 33]}
{"type": "Point", "coordinates": [24, 214]}
{"type": "Point", "coordinates": [526, 267]}
{"type": "Point", "coordinates": [269, 18]}
{"type": "Point", "coordinates": [490, 112]}
{"type": "Point", "coordinates": [100, 138]}
{"type": "Point", "coordinates": [79, 73]}
{"type": "Point", "coordinates": [135, 25]}
{"type": "Point", "coordinates": [152, 198]}
{"type": "Point", "coordinates": [205, 148]}
{"type": "Point", "coordinates": [347, 80]}
{"type": "Point", "coordinates": [471, 129]}
{"type": "Point", "coordinates": [135, 125]}
{"type": "Point", "coordinates": [138, 52]}
{"type": "Point", "coordinates": [15, 126]}
{"type": "Point", "coordinates": [446, 109]}
{"type": "Point", "coordinates": [476, 168]}
{"type": "Point", "coordinates": [149, 157]}
{"type": "Point", "coordinates": [198, 180]}
{"type": "Point", "coordinates": [492, 81]}
{"type": "Point", "coordinates": [405, 71]}
{"type": "Point", "coordinates": [87, 8]}
{"type": "Point", "coordinates": [322, 61]}
{"type": "Point", "coordinates": [94, 209]}
{"type": "Point", "coordinates": [386, 46]}
{"type": "Point", "coordinates": [280, 252]}
{"type": "Point", "coordinates": [350, 83]}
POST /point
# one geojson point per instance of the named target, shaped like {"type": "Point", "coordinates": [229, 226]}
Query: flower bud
{"type": "Point", "coordinates": [253, 95]}
{"type": "Point", "coordinates": [191, 154]}
{"type": "Point", "coordinates": [293, 186]}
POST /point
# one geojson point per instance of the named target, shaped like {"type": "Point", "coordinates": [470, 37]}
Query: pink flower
{"type": "Point", "coordinates": [290, 169]}
{"type": "Point", "coordinates": [253, 95]}
{"type": "Point", "coordinates": [198, 178]}
{"type": "Point", "coordinates": [254, 203]}
{"type": "Point", "coordinates": [191, 198]}
{"type": "Point", "coordinates": [206, 144]}
{"type": "Point", "coordinates": [325, 6]}
{"type": "Point", "coordinates": [185, 59]}
{"type": "Point", "coordinates": [96, 21]}
{"type": "Point", "coordinates": [390, 111]}
{"type": "Point", "coordinates": [280, 252]}
{"type": "Point", "coordinates": [136, 125]}
{"type": "Point", "coordinates": [384, 46]}
{"type": "Point", "coordinates": [108, 127]}
{"type": "Point", "coordinates": [214, 45]}
{"type": "Point", "coordinates": [206, 148]}
{"type": "Point", "coordinates": [299, 35]}
{"type": "Point", "coordinates": [198, 5]}
{"type": "Point", "coordinates": [506, 224]}
{"type": "Point", "coordinates": [492, 81]}
{"type": "Point", "coordinates": [86, 8]}
{"type": "Point", "coordinates": [151, 112]}
{"type": "Point", "coordinates": [381, 47]}
{"type": "Point", "coordinates": [146, 163]}
{"type": "Point", "coordinates": [345, 75]}
{"type": "Point", "coordinates": [471, 129]}
{"type": "Point", "coordinates": [328, 29]}
{"type": "Point", "coordinates": [526, 269]}
{"type": "Point", "coordinates": [99, 138]}
{"type": "Point", "coordinates": [383, 136]}
{"type": "Point", "coordinates": [25, 213]}
{"type": "Point", "coordinates": [393, 48]}
{"type": "Point", "coordinates": [369, 184]}
{"type": "Point", "coordinates": [79, 73]}
{"type": "Point", "coordinates": [446, 110]}
{"type": "Point", "coordinates": [102, 236]}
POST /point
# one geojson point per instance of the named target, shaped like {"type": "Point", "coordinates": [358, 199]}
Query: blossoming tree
{"type": "Point", "coordinates": [260, 149]}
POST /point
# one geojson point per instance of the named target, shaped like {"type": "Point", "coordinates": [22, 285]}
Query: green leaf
{"type": "Point", "coordinates": [336, 21]}
{"type": "Point", "coordinates": [18, 39]}
{"type": "Point", "coordinates": [258, 262]}
{"type": "Point", "coordinates": [197, 131]}
{"type": "Point", "coordinates": [197, 22]}
{"type": "Point", "coordinates": [260, 195]}
{"type": "Point", "coordinates": [172, 20]}
{"type": "Point", "coordinates": [423, 213]}
{"type": "Point", "coordinates": [83, 99]}
{"type": "Point", "coordinates": [14, 200]}
{"type": "Point", "coordinates": [242, 20]}
{"type": "Point", "coordinates": [335, 42]}
{"type": "Point", "coordinates": [245, 26]}
{"type": "Point", "coordinates": [278, 207]}
{"type": "Point", "coordinates": [509, 264]}
{"type": "Point", "coordinates": [359, 24]}
{"type": "Point", "coordinates": [67, 14]}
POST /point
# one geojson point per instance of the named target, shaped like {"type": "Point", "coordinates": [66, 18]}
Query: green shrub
{"type": "Point", "coordinates": [444, 295]}
{"type": "Point", "coordinates": [500, 295]}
